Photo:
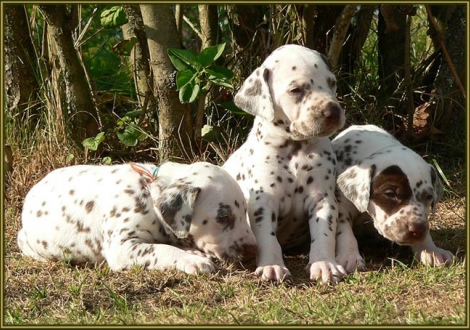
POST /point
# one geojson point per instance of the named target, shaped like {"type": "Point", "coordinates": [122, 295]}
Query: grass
{"type": "Point", "coordinates": [394, 291]}
{"type": "Point", "coordinates": [47, 294]}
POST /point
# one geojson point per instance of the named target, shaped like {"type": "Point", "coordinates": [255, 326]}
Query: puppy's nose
{"type": "Point", "coordinates": [332, 112]}
{"type": "Point", "coordinates": [417, 230]}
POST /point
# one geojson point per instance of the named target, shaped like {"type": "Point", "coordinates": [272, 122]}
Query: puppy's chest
{"type": "Point", "coordinates": [307, 173]}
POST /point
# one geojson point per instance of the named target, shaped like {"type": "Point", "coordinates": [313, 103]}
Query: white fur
{"type": "Point", "coordinates": [92, 214]}
{"type": "Point", "coordinates": [286, 166]}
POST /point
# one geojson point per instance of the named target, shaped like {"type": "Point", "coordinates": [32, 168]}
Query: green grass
{"type": "Point", "coordinates": [395, 295]}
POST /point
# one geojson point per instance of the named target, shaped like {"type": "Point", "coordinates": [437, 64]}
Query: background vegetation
{"type": "Point", "coordinates": [104, 84]}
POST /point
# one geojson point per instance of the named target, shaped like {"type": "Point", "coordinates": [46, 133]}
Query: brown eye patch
{"type": "Point", "coordinates": [391, 190]}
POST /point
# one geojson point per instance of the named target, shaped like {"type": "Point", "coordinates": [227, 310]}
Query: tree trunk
{"type": "Point", "coordinates": [208, 20]}
{"type": "Point", "coordinates": [175, 122]}
{"type": "Point", "coordinates": [448, 95]}
{"type": "Point", "coordinates": [391, 45]}
{"type": "Point", "coordinates": [21, 85]}
{"type": "Point", "coordinates": [339, 34]}
{"type": "Point", "coordinates": [78, 99]}
{"type": "Point", "coordinates": [307, 21]}
{"type": "Point", "coordinates": [352, 48]}
{"type": "Point", "coordinates": [140, 56]}
{"type": "Point", "coordinates": [325, 17]}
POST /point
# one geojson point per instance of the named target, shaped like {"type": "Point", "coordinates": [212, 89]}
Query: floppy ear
{"type": "Point", "coordinates": [437, 188]}
{"type": "Point", "coordinates": [175, 206]}
{"type": "Point", "coordinates": [354, 183]}
{"type": "Point", "coordinates": [254, 96]}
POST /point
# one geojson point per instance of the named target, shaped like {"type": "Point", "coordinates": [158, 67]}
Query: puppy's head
{"type": "Point", "coordinates": [397, 188]}
{"type": "Point", "coordinates": [203, 204]}
{"type": "Point", "coordinates": [295, 89]}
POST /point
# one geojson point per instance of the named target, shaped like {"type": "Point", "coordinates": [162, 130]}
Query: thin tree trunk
{"type": "Point", "coordinates": [21, 85]}
{"type": "Point", "coordinates": [209, 25]}
{"type": "Point", "coordinates": [352, 48]}
{"type": "Point", "coordinates": [175, 122]}
{"type": "Point", "coordinates": [78, 99]}
{"type": "Point", "coordinates": [140, 56]}
{"type": "Point", "coordinates": [339, 34]}
{"type": "Point", "coordinates": [391, 45]}
{"type": "Point", "coordinates": [448, 94]}
{"type": "Point", "coordinates": [308, 22]}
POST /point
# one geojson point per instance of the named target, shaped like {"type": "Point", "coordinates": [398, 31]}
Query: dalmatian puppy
{"type": "Point", "coordinates": [122, 214]}
{"type": "Point", "coordinates": [393, 185]}
{"type": "Point", "coordinates": [286, 167]}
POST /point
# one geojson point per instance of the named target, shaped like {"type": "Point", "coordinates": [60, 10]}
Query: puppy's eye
{"type": "Point", "coordinates": [429, 198]}
{"type": "Point", "coordinates": [332, 84]}
{"type": "Point", "coordinates": [296, 91]}
{"type": "Point", "coordinates": [223, 218]}
{"type": "Point", "coordinates": [390, 193]}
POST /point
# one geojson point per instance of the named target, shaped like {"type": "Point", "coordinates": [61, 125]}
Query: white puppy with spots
{"type": "Point", "coordinates": [286, 167]}
{"type": "Point", "coordinates": [121, 214]}
{"type": "Point", "coordinates": [379, 176]}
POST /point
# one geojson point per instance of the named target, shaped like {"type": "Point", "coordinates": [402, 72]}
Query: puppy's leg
{"type": "Point", "coordinates": [263, 218]}
{"type": "Point", "coordinates": [429, 254]}
{"type": "Point", "coordinates": [323, 222]}
{"type": "Point", "coordinates": [347, 250]}
{"type": "Point", "coordinates": [124, 249]}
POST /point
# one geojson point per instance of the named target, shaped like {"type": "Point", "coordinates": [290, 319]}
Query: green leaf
{"type": "Point", "coordinates": [183, 59]}
{"type": "Point", "coordinates": [92, 143]}
{"type": "Point", "coordinates": [106, 160]}
{"type": "Point", "coordinates": [230, 105]}
{"type": "Point", "coordinates": [134, 113]}
{"type": "Point", "coordinates": [183, 78]}
{"type": "Point", "coordinates": [124, 47]}
{"type": "Point", "coordinates": [130, 135]}
{"type": "Point", "coordinates": [189, 92]}
{"type": "Point", "coordinates": [113, 17]}
{"type": "Point", "coordinates": [69, 158]}
{"type": "Point", "coordinates": [210, 54]}
{"type": "Point", "coordinates": [210, 133]}
{"type": "Point", "coordinates": [222, 71]}
{"type": "Point", "coordinates": [220, 76]}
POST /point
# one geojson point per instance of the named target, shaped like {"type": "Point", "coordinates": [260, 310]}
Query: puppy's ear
{"type": "Point", "coordinates": [175, 206]}
{"type": "Point", "coordinates": [354, 183]}
{"type": "Point", "coordinates": [254, 96]}
{"type": "Point", "coordinates": [437, 188]}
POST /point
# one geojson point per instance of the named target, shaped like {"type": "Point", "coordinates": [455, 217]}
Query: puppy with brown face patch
{"type": "Point", "coordinates": [378, 176]}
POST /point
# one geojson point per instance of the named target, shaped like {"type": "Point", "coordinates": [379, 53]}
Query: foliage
{"type": "Point", "coordinates": [113, 17]}
{"type": "Point", "coordinates": [195, 70]}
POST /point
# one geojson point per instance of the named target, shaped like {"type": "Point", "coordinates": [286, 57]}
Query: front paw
{"type": "Point", "coordinates": [435, 256]}
{"type": "Point", "coordinates": [351, 262]}
{"type": "Point", "coordinates": [273, 273]}
{"type": "Point", "coordinates": [326, 271]}
{"type": "Point", "coordinates": [195, 264]}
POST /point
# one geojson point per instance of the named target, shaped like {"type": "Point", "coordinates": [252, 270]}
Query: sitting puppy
{"type": "Point", "coordinates": [286, 165]}
{"type": "Point", "coordinates": [393, 185]}
{"type": "Point", "coordinates": [125, 216]}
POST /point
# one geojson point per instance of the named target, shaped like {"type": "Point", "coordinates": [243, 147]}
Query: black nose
{"type": "Point", "coordinates": [417, 230]}
{"type": "Point", "coordinates": [332, 112]}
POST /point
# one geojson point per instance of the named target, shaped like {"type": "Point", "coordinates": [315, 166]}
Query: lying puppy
{"type": "Point", "coordinates": [125, 216]}
{"type": "Point", "coordinates": [393, 185]}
